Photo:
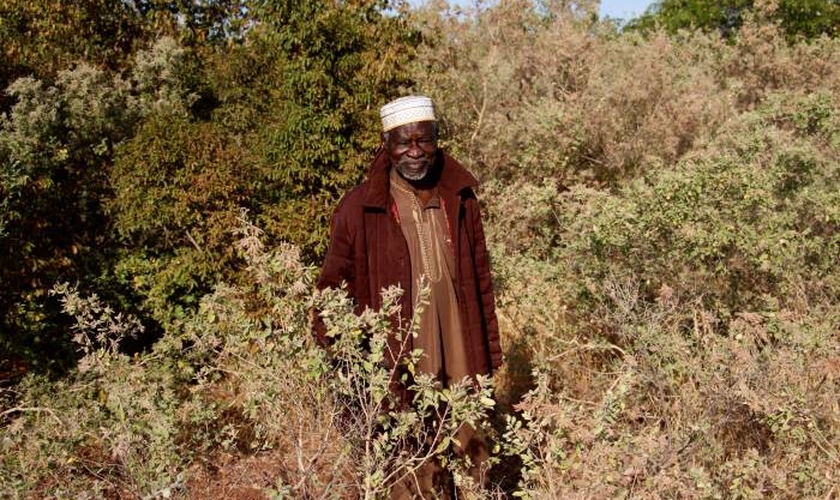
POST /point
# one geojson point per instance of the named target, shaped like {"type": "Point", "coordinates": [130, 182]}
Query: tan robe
{"type": "Point", "coordinates": [430, 250]}
{"type": "Point", "coordinates": [427, 234]}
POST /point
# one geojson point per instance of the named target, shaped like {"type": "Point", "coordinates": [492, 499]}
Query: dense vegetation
{"type": "Point", "coordinates": [126, 161]}
{"type": "Point", "coordinates": [662, 204]}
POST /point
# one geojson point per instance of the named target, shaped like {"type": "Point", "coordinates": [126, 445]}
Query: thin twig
{"type": "Point", "coordinates": [21, 409]}
{"type": "Point", "coordinates": [194, 243]}
{"type": "Point", "coordinates": [481, 112]}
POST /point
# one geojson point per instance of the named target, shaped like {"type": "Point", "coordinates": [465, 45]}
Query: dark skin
{"type": "Point", "coordinates": [412, 150]}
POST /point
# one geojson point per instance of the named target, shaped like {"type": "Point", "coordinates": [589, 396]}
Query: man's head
{"type": "Point", "coordinates": [409, 136]}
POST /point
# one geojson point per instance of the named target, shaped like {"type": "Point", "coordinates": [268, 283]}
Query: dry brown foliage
{"type": "Point", "coordinates": [654, 374]}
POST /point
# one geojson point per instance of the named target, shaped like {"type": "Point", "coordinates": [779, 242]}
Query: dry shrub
{"type": "Point", "coordinates": [528, 94]}
{"type": "Point", "coordinates": [681, 329]}
{"type": "Point", "coordinates": [239, 380]}
{"type": "Point", "coordinates": [681, 411]}
{"type": "Point", "coordinates": [677, 330]}
{"type": "Point", "coordinates": [761, 61]}
{"type": "Point", "coordinates": [537, 89]}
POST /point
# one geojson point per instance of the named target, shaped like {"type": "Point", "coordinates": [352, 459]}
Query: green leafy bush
{"type": "Point", "coordinates": [749, 222]}
{"type": "Point", "coordinates": [800, 19]}
{"type": "Point", "coordinates": [281, 125]}
{"type": "Point", "coordinates": [241, 375]}
{"type": "Point", "coordinates": [152, 153]}
{"type": "Point", "coordinates": [55, 145]}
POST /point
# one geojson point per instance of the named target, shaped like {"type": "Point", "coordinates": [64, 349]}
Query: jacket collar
{"type": "Point", "coordinates": [454, 178]}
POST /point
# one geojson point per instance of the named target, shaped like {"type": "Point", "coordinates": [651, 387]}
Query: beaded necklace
{"type": "Point", "coordinates": [422, 224]}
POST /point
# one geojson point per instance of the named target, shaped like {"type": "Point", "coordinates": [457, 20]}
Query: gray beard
{"type": "Point", "coordinates": [412, 176]}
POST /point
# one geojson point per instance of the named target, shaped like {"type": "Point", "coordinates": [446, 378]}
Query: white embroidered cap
{"type": "Point", "coordinates": [409, 109]}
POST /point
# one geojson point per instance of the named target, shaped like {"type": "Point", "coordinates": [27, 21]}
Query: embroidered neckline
{"type": "Point", "coordinates": [422, 223]}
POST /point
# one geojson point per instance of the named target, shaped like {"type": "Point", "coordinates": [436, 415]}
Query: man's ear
{"type": "Point", "coordinates": [384, 136]}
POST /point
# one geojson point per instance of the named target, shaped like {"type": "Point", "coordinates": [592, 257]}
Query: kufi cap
{"type": "Point", "coordinates": [409, 109]}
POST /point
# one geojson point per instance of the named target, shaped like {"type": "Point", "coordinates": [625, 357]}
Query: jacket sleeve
{"type": "Point", "coordinates": [485, 284]}
{"type": "Point", "coordinates": [339, 263]}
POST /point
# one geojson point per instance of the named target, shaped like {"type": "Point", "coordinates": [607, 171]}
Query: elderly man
{"type": "Point", "coordinates": [415, 219]}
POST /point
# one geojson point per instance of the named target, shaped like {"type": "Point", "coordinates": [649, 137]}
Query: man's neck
{"type": "Point", "coordinates": [424, 188]}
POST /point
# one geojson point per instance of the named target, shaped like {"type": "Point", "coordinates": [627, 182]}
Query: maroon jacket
{"type": "Point", "coordinates": [368, 252]}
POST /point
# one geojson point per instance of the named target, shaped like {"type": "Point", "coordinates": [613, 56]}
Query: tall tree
{"type": "Point", "coordinates": [76, 78]}
{"type": "Point", "coordinates": [290, 124]}
{"type": "Point", "coordinates": [125, 157]}
{"type": "Point", "coordinates": [799, 18]}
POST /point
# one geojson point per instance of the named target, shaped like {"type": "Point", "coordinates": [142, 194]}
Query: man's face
{"type": "Point", "coordinates": [412, 148]}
